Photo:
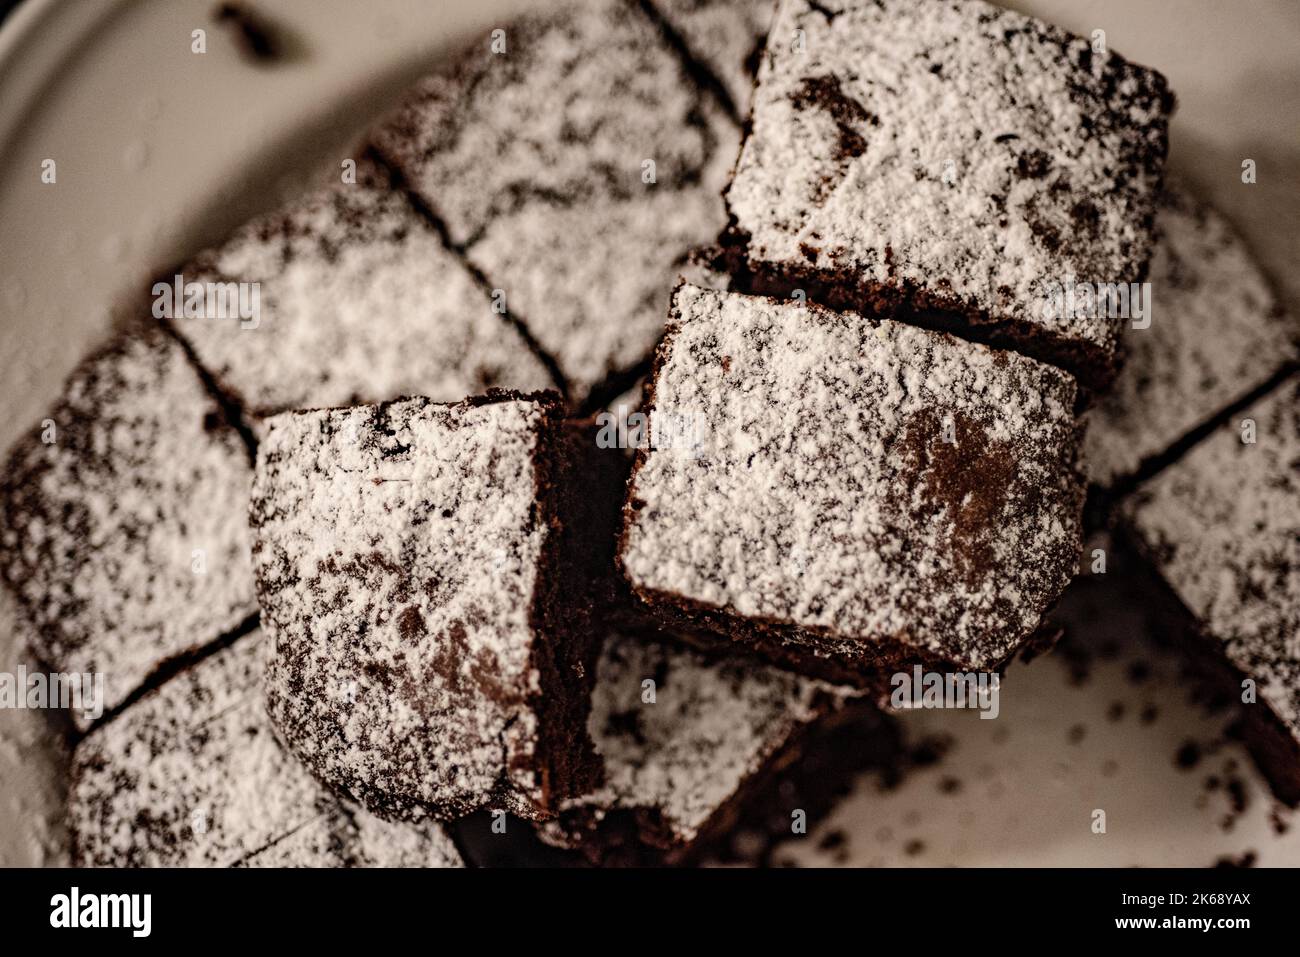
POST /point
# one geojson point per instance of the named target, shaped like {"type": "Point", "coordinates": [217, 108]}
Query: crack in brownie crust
{"type": "Point", "coordinates": [1217, 330]}
{"type": "Point", "coordinates": [861, 491]}
{"type": "Point", "coordinates": [192, 776]}
{"type": "Point", "coordinates": [727, 35]}
{"type": "Point", "coordinates": [360, 301]}
{"type": "Point", "coordinates": [942, 160]}
{"type": "Point", "coordinates": [1222, 526]}
{"type": "Point", "coordinates": [552, 206]}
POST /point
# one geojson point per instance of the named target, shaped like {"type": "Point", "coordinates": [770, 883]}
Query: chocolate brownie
{"type": "Point", "coordinates": [191, 775]}
{"type": "Point", "coordinates": [726, 35]}
{"type": "Point", "coordinates": [122, 519]}
{"type": "Point", "coordinates": [1222, 526]}
{"type": "Point", "coordinates": [430, 575]}
{"type": "Point", "coordinates": [358, 301]}
{"type": "Point", "coordinates": [1216, 332]}
{"type": "Point", "coordinates": [845, 494]}
{"type": "Point", "coordinates": [684, 740]}
{"type": "Point", "coordinates": [575, 169]}
{"type": "Point", "coordinates": [945, 161]}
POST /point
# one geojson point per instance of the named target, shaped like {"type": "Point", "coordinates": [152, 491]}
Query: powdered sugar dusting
{"type": "Point", "coordinates": [396, 551]}
{"type": "Point", "coordinates": [1224, 526]}
{"type": "Point", "coordinates": [1217, 330]}
{"type": "Point", "coordinates": [192, 776]}
{"type": "Point", "coordinates": [727, 35]}
{"type": "Point", "coordinates": [349, 836]}
{"type": "Point", "coordinates": [592, 281]}
{"type": "Point", "coordinates": [683, 757]}
{"type": "Point", "coordinates": [360, 302]}
{"type": "Point", "coordinates": [953, 147]}
{"type": "Point", "coordinates": [125, 540]}
{"type": "Point", "coordinates": [475, 144]}
{"type": "Point", "coordinates": [872, 482]}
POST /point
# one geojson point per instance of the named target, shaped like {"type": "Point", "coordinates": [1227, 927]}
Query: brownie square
{"type": "Point", "coordinates": [1222, 526]}
{"type": "Point", "coordinates": [685, 741]}
{"type": "Point", "coordinates": [945, 162]}
{"type": "Point", "coordinates": [575, 170]}
{"type": "Point", "coordinates": [191, 775]}
{"type": "Point", "coordinates": [429, 575]}
{"type": "Point", "coordinates": [358, 301]}
{"type": "Point", "coordinates": [1216, 333]}
{"type": "Point", "coordinates": [122, 519]}
{"type": "Point", "coordinates": [844, 494]}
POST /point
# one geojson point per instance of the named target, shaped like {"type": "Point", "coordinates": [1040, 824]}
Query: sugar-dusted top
{"type": "Point", "coordinates": [680, 734]}
{"type": "Point", "coordinates": [872, 482]}
{"type": "Point", "coordinates": [955, 146]}
{"type": "Point", "coordinates": [592, 281]}
{"type": "Point", "coordinates": [1216, 330]}
{"type": "Point", "coordinates": [192, 775]}
{"type": "Point", "coordinates": [728, 35]}
{"type": "Point", "coordinates": [396, 549]}
{"type": "Point", "coordinates": [124, 536]}
{"type": "Point", "coordinates": [358, 301]}
{"type": "Point", "coordinates": [569, 109]}
{"type": "Point", "coordinates": [1223, 524]}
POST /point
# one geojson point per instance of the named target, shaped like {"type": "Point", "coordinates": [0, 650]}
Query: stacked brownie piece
{"type": "Point", "coordinates": [431, 576]}
{"type": "Point", "coordinates": [848, 495]}
{"type": "Point", "coordinates": [945, 162]}
{"type": "Point", "coordinates": [881, 456]}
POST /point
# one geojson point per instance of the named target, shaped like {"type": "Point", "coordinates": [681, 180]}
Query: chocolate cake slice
{"type": "Point", "coordinates": [1222, 526]}
{"type": "Point", "coordinates": [122, 519]}
{"type": "Point", "coordinates": [844, 495]}
{"type": "Point", "coordinates": [191, 775]}
{"type": "Point", "coordinates": [1216, 332]}
{"type": "Point", "coordinates": [429, 575]}
{"type": "Point", "coordinates": [576, 167]}
{"type": "Point", "coordinates": [951, 163]}
{"type": "Point", "coordinates": [685, 741]}
{"type": "Point", "coordinates": [356, 299]}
